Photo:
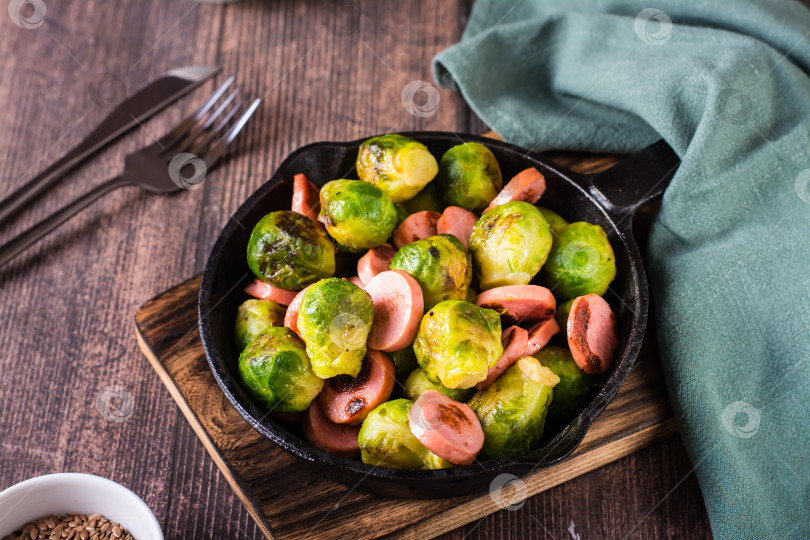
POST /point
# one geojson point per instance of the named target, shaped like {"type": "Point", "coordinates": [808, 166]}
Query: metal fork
{"type": "Point", "coordinates": [198, 141]}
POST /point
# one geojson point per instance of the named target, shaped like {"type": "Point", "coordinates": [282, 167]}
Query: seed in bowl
{"type": "Point", "coordinates": [71, 527]}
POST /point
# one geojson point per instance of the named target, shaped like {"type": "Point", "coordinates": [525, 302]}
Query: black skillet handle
{"type": "Point", "coordinates": [636, 180]}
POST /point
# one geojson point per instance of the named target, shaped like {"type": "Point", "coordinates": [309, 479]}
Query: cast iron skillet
{"type": "Point", "coordinates": [608, 199]}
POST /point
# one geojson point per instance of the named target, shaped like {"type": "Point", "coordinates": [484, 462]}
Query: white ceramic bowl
{"type": "Point", "coordinates": [74, 492]}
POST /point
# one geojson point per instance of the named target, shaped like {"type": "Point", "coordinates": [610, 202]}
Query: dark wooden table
{"type": "Point", "coordinates": [327, 71]}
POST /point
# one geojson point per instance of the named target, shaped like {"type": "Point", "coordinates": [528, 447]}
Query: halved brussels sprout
{"type": "Point", "coordinates": [509, 244]}
{"type": "Point", "coordinates": [575, 389]}
{"type": "Point", "coordinates": [427, 199]}
{"type": "Point", "coordinates": [417, 382]}
{"type": "Point", "coordinates": [276, 371]}
{"type": "Point", "coordinates": [458, 342]}
{"type": "Point", "coordinates": [385, 439]}
{"type": "Point", "coordinates": [469, 176]}
{"type": "Point", "coordinates": [335, 319]}
{"type": "Point", "coordinates": [290, 251]}
{"type": "Point", "coordinates": [358, 215]}
{"type": "Point", "coordinates": [581, 261]}
{"type": "Point", "coordinates": [404, 362]}
{"type": "Point", "coordinates": [555, 221]}
{"type": "Point", "coordinates": [440, 264]}
{"type": "Point", "coordinates": [513, 409]}
{"type": "Point", "coordinates": [253, 317]}
{"type": "Point", "coordinates": [399, 166]}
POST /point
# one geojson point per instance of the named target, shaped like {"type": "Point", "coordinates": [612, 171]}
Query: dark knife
{"type": "Point", "coordinates": [129, 113]}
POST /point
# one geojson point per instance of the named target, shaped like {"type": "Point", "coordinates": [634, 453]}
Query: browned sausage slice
{"type": "Point", "coordinates": [416, 227]}
{"type": "Point", "coordinates": [527, 186]}
{"type": "Point", "coordinates": [376, 260]}
{"type": "Point", "coordinates": [265, 291]}
{"type": "Point", "coordinates": [540, 334]}
{"type": "Point", "coordinates": [398, 309]}
{"type": "Point", "coordinates": [515, 341]}
{"type": "Point", "coordinates": [291, 317]}
{"type": "Point", "coordinates": [449, 429]}
{"type": "Point", "coordinates": [337, 439]}
{"type": "Point", "coordinates": [519, 303]}
{"type": "Point", "coordinates": [306, 197]}
{"type": "Point", "coordinates": [356, 280]}
{"type": "Point", "coordinates": [458, 222]}
{"type": "Point", "coordinates": [348, 400]}
{"type": "Point", "coordinates": [592, 333]}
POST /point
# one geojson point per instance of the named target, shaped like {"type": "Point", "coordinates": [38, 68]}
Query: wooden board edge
{"type": "Point", "coordinates": [481, 507]}
{"type": "Point", "coordinates": [232, 478]}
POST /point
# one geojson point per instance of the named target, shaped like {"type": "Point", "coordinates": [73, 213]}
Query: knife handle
{"type": "Point", "coordinates": [28, 238]}
{"type": "Point", "coordinates": [29, 191]}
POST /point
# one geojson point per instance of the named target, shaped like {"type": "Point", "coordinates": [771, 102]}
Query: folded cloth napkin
{"type": "Point", "coordinates": [726, 85]}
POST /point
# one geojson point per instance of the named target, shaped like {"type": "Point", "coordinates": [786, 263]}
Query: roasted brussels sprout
{"type": "Point", "coordinates": [513, 409]}
{"type": "Point", "coordinates": [427, 199]}
{"type": "Point", "coordinates": [254, 317]}
{"type": "Point", "coordinates": [575, 389]}
{"type": "Point", "coordinates": [399, 166]}
{"type": "Point", "coordinates": [581, 261]}
{"type": "Point", "coordinates": [290, 251]}
{"type": "Point", "coordinates": [358, 215]}
{"type": "Point", "coordinates": [458, 342]}
{"type": "Point", "coordinates": [469, 176]}
{"type": "Point", "coordinates": [386, 439]}
{"type": "Point", "coordinates": [562, 314]}
{"type": "Point", "coordinates": [335, 319]}
{"type": "Point", "coordinates": [417, 382]}
{"type": "Point", "coordinates": [276, 371]}
{"type": "Point", "coordinates": [555, 221]}
{"type": "Point", "coordinates": [509, 244]}
{"type": "Point", "coordinates": [440, 264]}
{"type": "Point", "coordinates": [404, 362]}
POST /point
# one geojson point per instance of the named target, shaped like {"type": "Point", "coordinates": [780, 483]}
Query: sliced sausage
{"type": "Point", "coordinates": [527, 186]}
{"type": "Point", "coordinates": [592, 334]}
{"type": "Point", "coordinates": [337, 439]}
{"type": "Point", "coordinates": [356, 280]}
{"type": "Point", "coordinates": [265, 291]}
{"type": "Point", "coordinates": [519, 303]}
{"type": "Point", "coordinates": [348, 400]}
{"type": "Point", "coordinates": [515, 341]}
{"type": "Point", "coordinates": [416, 227]}
{"type": "Point", "coordinates": [540, 334]}
{"type": "Point", "coordinates": [291, 317]}
{"type": "Point", "coordinates": [449, 429]}
{"type": "Point", "coordinates": [398, 309]}
{"type": "Point", "coordinates": [458, 222]}
{"type": "Point", "coordinates": [306, 197]}
{"type": "Point", "coordinates": [376, 260]}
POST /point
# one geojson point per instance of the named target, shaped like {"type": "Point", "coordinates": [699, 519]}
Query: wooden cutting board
{"type": "Point", "coordinates": [288, 500]}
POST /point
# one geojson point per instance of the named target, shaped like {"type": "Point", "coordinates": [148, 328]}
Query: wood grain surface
{"type": "Point", "coordinates": [75, 392]}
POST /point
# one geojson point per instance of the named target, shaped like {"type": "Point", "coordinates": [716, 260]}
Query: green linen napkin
{"type": "Point", "coordinates": [726, 85]}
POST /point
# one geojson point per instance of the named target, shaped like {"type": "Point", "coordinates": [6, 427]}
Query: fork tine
{"type": "Point", "coordinates": [198, 128]}
{"type": "Point", "coordinates": [218, 149]}
{"type": "Point", "coordinates": [219, 128]}
{"type": "Point", "coordinates": [173, 136]}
